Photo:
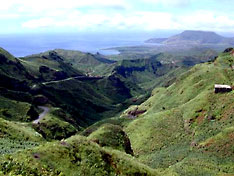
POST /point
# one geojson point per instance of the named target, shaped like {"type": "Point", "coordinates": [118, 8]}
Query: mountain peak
{"type": "Point", "coordinates": [200, 34]}
{"type": "Point", "coordinates": [198, 31]}
{"type": "Point", "coordinates": [195, 37]}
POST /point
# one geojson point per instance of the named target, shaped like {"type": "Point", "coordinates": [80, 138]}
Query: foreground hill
{"type": "Point", "coordinates": [187, 128]}
{"type": "Point", "coordinates": [74, 156]}
{"type": "Point", "coordinates": [194, 38]}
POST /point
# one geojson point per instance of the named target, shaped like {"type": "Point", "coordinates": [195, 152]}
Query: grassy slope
{"type": "Point", "coordinates": [74, 156]}
{"type": "Point", "coordinates": [177, 54]}
{"type": "Point", "coordinates": [99, 65]}
{"type": "Point", "coordinates": [148, 73]}
{"type": "Point", "coordinates": [12, 67]}
{"type": "Point", "coordinates": [14, 110]}
{"type": "Point", "coordinates": [13, 75]}
{"type": "Point", "coordinates": [94, 64]}
{"type": "Point", "coordinates": [52, 127]}
{"type": "Point", "coordinates": [112, 136]}
{"type": "Point", "coordinates": [15, 136]}
{"type": "Point", "coordinates": [54, 63]}
{"type": "Point", "coordinates": [186, 123]}
{"type": "Point", "coordinates": [82, 102]}
{"type": "Point", "coordinates": [87, 100]}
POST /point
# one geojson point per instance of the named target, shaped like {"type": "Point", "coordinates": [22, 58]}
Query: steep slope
{"type": "Point", "coordinates": [147, 73]}
{"type": "Point", "coordinates": [87, 100]}
{"type": "Point", "coordinates": [195, 38]}
{"type": "Point", "coordinates": [187, 128]}
{"type": "Point", "coordinates": [184, 128]}
{"type": "Point", "coordinates": [13, 74]}
{"type": "Point", "coordinates": [49, 80]}
{"type": "Point", "coordinates": [49, 66]}
{"type": "Point", "coordinates": [91, 64]}
{"type": "Point", "coordinates": [112, 136]}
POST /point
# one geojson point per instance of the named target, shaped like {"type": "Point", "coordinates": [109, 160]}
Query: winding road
{"type": "Point", "coordinates": [42, 115]}
{"type": "Point", "coordinates": [77, 77]}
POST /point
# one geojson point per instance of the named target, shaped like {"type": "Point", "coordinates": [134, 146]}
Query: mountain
{"type": "Point", "coordinates": [49, 66]}
{"type": "Point", "coordinates": [186, 128]}
{"type": "Point", "coordinates": [12, 72]}
{"type": "Point", "coordinates": [156, 40]}
{"type": "Point", "coordinates": [190, 37]}
{"type": "Point", "coordinates": [92, 64]}
{"type": "Point", "coordinates": [49, 79]}
{"type": "Point", "coordinates": [147, 73]}
{"type": "Point", "coordinates": [182, 128]}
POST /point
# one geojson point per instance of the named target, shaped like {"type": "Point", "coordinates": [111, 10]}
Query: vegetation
{"type": "Point", "coordinates": [188, 123]}
{"type": "Point", "coordinates": [183, 128]}
{"type": "Point", "coordinates": [112, 136]}
{"type": "Point", "coordinates": [51, 127]}
{"type": "Point", "coordinates": [74, 156]}
{"type": "Point", "coordinates": [91, 64]}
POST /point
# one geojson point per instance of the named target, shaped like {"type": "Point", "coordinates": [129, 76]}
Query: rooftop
{"type": "Point", "coordinates": [223, 86]}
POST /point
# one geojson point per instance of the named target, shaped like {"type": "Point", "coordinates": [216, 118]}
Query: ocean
{"type": "Point", "coordinates": [26, 44]}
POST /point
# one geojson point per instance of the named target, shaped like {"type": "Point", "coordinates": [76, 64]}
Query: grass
{"type": "Point", "coordinates": [14, 110]}
{"type": "Point", "coordinates": [51, 127]}
{"type": "Point", "coordinates": [74, 156]}
{"type": "Point", "coordinates": [148, 73]}
{"type": "Point", "coordinates": [188, 120]}
{"type": "Point", "coordinates": [187, 129]}
{"type": "Point", "coordinates": [8, 146]}
{"type": "Point", "coordinates": [18, 131]}
{"type": "Point", "coordinates": [7, 54]}
{"type": "Point", "coordinates": [112, 136]}
{"type": "Point", "coordinates": [85, 62]}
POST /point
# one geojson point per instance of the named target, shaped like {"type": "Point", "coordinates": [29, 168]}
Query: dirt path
{"type": "Point", "coordinates": [43, 114]}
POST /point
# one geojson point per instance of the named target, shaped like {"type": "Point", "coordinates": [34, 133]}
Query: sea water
{"type": "Point", "coordinates": [26, 44]}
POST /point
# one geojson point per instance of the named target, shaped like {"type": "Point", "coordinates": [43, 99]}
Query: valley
{"type": "Point", "coordinates": [149, 110]}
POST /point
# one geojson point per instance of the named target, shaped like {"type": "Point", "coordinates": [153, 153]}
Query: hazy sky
{"type": "Point", "coordinates": [115, 15]}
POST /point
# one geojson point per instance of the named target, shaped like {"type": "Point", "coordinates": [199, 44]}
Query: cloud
{"type": "Point", "coordinates": [170, 3]}
{"type": "Point", "coordinates": [44, 8]}
{"type": "Point", "coordinates": [109, 15]}
{"type": "Point", "coordinates": [79, 20]}
{"type": "Point", "coordinates": [9, 16]}
{"type": "Point", "coordinates": [45, 5]}
{"type": "Point", "coordinates": [139, 20]}
{"type": "Point", "coordinates": [38, 23]}
{"type": "Point", "coordinates": [207, 20]}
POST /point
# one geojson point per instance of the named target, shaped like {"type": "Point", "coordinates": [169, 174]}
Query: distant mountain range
{"type": "Point", "coordinates": [190, 37]}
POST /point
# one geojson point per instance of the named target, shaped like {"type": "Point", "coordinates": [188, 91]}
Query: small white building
{"type": "Point", "coordinates": [222, 88]}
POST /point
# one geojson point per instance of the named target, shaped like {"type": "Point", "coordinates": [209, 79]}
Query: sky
{"type": "Point", "coordinates": [28, 16]}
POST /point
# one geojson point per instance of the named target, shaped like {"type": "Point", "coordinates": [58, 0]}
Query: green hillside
{"type": "Point", "coordinates": [92, 64]}
{"type": "Point", "coordinates": [183, 128]}
{"type": "Point", "coordinates": [13, 74]}
{"type": "Point", "coordinates": [49, 66]}
{"type": "Point", "coordinates": [73, 156]}
{"type": "Point", "coordinates": [148, 73]}
{"type": "Point", "coordinates": [187, 128]}
{"type": "Point", "coordinates": [51, 76]}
